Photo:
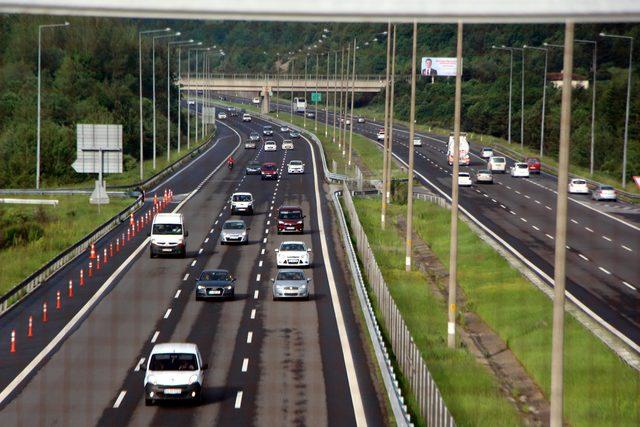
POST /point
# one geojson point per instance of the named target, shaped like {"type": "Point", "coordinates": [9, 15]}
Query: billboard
{"type": "Point", "coordinates": [99, 148]}
{"type": "Point", "coordinates": [434, 67]}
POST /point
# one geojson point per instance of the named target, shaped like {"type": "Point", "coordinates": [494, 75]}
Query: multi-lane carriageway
{"type": "Point", "coordinates": [603, 239]}
{"type": "Point", "coordinates": [271, 363]}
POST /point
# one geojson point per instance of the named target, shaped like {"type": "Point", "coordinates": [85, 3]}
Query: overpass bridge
{"type": "Point", "coordinates": [266, 84]}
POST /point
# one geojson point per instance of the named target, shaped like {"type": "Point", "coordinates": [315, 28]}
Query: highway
{"type": "Point", "coordinates": [603, 239]}
{"type": "Point", "coordinates": [284, 362]}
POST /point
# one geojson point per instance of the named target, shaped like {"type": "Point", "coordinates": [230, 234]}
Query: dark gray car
{"type": "Point", "coordinates": [215, 284]}
{"type": "Point", "coordinates": [290, 283]}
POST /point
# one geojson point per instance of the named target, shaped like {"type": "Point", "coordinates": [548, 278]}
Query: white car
{"type": "Point", "coordinates": [246, 118]}
{"type": "Point", "coordinates": [464, 179]}
{"type": "Point", "coordinates": [486, 152]}
{"type": "Point", "coordinates": [295, 166]}
{"type": "Point", "coordinates": [520, 169]}
{"type": "Point", "coordinates": [604, 192]}
{"type": "Point", "coordinates": [270, 146]}
{"type": "Point", "coordinates": [293, 254]}
{"type": "Point", "coordinates": [497, 164]}
{"type": "Point", "coordinates": [484, 176]}
{"type": "Point", "coordinates": [417, 142]}
{"type": "Point", "coordinates": [380, 135]}
{"type": "Point", "coordinates": [222, 115]}
{"type": "Point", "coordinates": [168, 235]}
{"type": "Point", "coordinates": [174, 371]}
{"type": "Point", "coordinates": [578, 186]}
{"type": "Point", "coordinates": [287, 144]}
{"type": "Point", "coordinates": [360, 119]}
{"type": "Point", "coordinates": [255, 100]}
{"type": "Point", "coordinates": [242, 202]}
{"type": "Point", "coordinates": [284, 128]}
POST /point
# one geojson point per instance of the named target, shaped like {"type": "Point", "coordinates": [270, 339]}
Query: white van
{"type": "Point", "coordinates": [497, 164]}
{"type": "Point", "coordinates": [168, 235]}
{"type": "Point", "coordinates": [463, 155]}
{"type": "Point", "coordinates": [174, 371]}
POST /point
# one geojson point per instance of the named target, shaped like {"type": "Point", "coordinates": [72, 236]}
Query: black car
{"type": "Point", "coordinates": [267, 130]}
{"type": "Point", "coordinates": [253, 168]}
{"type": "Point", "coordinates": [294, 134]}
{"type": "Point", "coordinates": [215, 284]}
{"type": "Point", "coordinates": [234, 112]}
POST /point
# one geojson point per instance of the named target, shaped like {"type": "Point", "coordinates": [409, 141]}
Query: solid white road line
{"type": "Point", "coordinates": [626, 248]}
{"type": "Point", "coordinates": [245, 364]}
{"type": "Point", "coordinates": [186, 276]}
{"type": "Point", "coordinates": [119, 399]}
{"type": "Point", "coordinates": [177, 295]}
{"type": "Point", "coordinates": [583, 257]}
{"type": "Point", "coordinates": [255, 294]}
{"type": "Point", "coordinates": [155, 336]}
{"type": "Point", "coordinates": [249, 337]}
{"type": "Point", "coordinates": [253, 313]}
{"type": "Point", "coordinates": [605, 270]}
{"type": "Point", "coordinates": [238, 403]}
{"type": "Point", "coordinates": [167, 314]}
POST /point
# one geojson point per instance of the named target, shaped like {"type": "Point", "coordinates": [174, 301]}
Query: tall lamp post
{"type": "Point", "coordinates": [169, 44]}
{"type": "Point", "coordinates": [510, 87]}
{"type": "Point", "coordinates": [521, 91]}
{"type": "Point", "coordinates": [40, 27]}
{"type": "Point", "coordinates": [140, 34]}
{"type": "Point", "coordinates": [626, 114]}
{"type": "Point", "coordinates": [544, 93]}
{"type": "Point", "coordinates": [153, 61]}
{"type": "Point", "coordinates": [180, 90]}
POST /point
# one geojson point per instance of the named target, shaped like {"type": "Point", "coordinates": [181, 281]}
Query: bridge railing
{"type": "Point", "coordinates": [274, 77]}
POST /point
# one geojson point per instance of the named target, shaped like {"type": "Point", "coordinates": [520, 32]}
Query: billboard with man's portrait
{"type": "Point", "coordinates": [434, 67]}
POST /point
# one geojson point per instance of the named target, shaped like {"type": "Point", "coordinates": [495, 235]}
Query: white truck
{"type": "Point", "coordinates": [463, 155]}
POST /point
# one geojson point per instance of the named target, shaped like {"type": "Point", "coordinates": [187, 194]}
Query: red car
{"type": "Point", "coordinates": [290, 219]}
{"type": "Point", "coordinates": [534, 164]}
{"type": "Point", "coordinates": [269, 171]}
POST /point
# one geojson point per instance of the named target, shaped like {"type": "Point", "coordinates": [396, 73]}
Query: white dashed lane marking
{"type": "Point", "coordinates": [177, 295]}
{"type": "Point", "coordinates": [588, 229]}
{"type": "Point", "coordinates": [193, 263]}
{"type": "Point", "coordinates": [245, 364]}
{"type": "Point", "coordinates": [255, 294]}
{"type": "Point", "coordinates": [628, 285]}
{"type": "Point", "coordinates": [606, 238]}
{"type": "Point", "coordinates": [549, 236]}
{"type": "Point", "coordinates": [186, 276]}
{"type": "Point", "coordinates": [253, 313]}
{"type": "Point", "coordinates": [119, 399]}
{"type": "Point", "coordinates": [626, 248]}
{"type": "Point", "coordinates": [238, 403]}
{"type": "Point", "coordinates": [167, 314]}
{"type": "Point", "coordinates": [155, 337]}
{"type": "Point", "coordinates": [604, 270]}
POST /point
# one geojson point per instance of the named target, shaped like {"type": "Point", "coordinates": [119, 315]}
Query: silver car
{"type": "Point", "coordinates": [234, 231]}
{"type": "Point", "coordinates": [485, 176]}
{"type": "Point", "coordinates": [290, 283]}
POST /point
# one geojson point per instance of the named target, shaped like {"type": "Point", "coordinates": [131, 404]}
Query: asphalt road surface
{"type": "Point", "coordinates": [271, 363]}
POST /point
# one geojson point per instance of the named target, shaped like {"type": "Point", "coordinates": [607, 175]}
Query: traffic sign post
{"type": "Point", "coordinates": [316, 97]}
{"type": "Point", "coordinates": [99, 150]}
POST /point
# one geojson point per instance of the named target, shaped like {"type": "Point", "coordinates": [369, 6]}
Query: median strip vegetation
{"type": "Point", "coordinates": [31, 235]}
{"type": "Point", "coordinates": [600, 389]}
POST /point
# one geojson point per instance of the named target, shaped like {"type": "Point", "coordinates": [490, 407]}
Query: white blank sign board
{"type": "Point", "coordinates": [209, 115]}
{"type": "Point", "coordinates": [93, 139]}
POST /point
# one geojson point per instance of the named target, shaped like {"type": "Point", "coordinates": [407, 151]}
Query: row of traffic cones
{"type": "Point", "coordinates": [96, 261]}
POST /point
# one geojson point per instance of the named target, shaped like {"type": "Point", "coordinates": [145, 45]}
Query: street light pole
{"type": "Point", "coordinates": [544, 93]}
{"type": "Point", "coordinates": [510, 86]}
{"type": "Point", "coordinates": [306, 103]}
{"type": "Point", "coordinates": [335, 93]}
{"type": "Point", "coordinates": [353, 85]}
{"type": "Point", "coordinates": [412, 125]}
{"type": "Point", "coordinates": [383, 210]}
{"type": "Point", "coordinates": [593, 102]}
{"type": "Point", "coordinates": [40, 27]}
{"type": "Point", "coordinates": [180, 91]}
{"type": "Point", "coordinates": [315, 115]}
{"type": "Point", "coordinates": [626, 114]}
{"type": "Point", "coordinates": [326, 100]}
{"type": "Point", "coordinates": [391, 105]}
{"type": "Point", "coordinates": [169, 44]}
{"type": "Point", "coordinates": [153, 73]}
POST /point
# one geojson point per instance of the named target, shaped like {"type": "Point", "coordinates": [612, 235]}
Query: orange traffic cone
{"type": "Point", "coordinates": [13, 341]}
{"type": "Point", "coordinates": [44, 312]}
{"type": "Point", "coordinates": [30, 329]}
{"type": "Point", "coordinates": [92, 254]}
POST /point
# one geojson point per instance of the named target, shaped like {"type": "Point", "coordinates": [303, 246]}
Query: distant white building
{"type": "Point", "coordinates": [577, 81]}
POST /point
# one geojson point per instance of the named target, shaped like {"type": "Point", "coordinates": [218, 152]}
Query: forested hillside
{"type": "Point", "coordinates": [90, 76]}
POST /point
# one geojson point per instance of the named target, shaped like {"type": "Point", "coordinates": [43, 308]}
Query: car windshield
{"type": "Point", "coordinates": [498, 160]}
{"type": "Point", "coordinates": [294, 133]}
{"type": "Point", "coordinates": [293, 214]}
{"type": "Point", "coordinates": [292, 247]}
{"type": "Point", "coordinates": [484, 171]}
{"type": "Point", "coordinates": [267, 128]}
{"type": "Point", "coordinates": [463, 175]}
{"type": "Point", "coordinates": [173, 362]}
{"type": "Point", "coordinates": [521, 165]}
{"type": "Point", "coordinates": [170, 229]}
{"type": "Point", "coordinates": [295, 162]}
{"type": "Point", "coordinates": [270, 143]}
{"type": "Point", "coordinates": [487, 149]}
{"type": "Point", "coordinates": [269, 167]}
{"type": "Point", "coordinates": [241, 198]}
{"type": "Point", "coordinates": [579, 182]}
{"type": "Point", "coordinates": [233, 225]}
{"type": "Point", "coordinates": [215, 276]}
{"type": "Point", "coordinates": [533, 160]}
{"type": "Point", "coordinates": [290, 275]}
{"type": "Point", "coordinates": [606, 187]}
{"type": "Point", "coordinates": [254, 134]}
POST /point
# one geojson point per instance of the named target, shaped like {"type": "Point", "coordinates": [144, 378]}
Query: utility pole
{"type": "Point", "coordinates": [391, 103]}
{"type": "Point", "coordinates": [306, 102]}
{"type": "Point", "coordinates": [385, 156]}
{"type": "Point", "coordinates": [153, 73]}
{"type": "Point", "coordinates": [353, 85]}
{"type": "Point", "coordinates": [453, 248]}
{"type": "Point", "coordinates": [293, 63]}
{"type": "Point", "coordinates": [335, 93]}
{"type": "Point", "coordinates": [557, 352]}
{"type": "Point", "coordinates": [341, 101]}
{"type": "Point", "coordinates": [343, 116]}
{"type": "Point", "coordinates": [315, 115]}
{"type": "Point", "coordinates": [412, 125]}
{"type": "Point", "coordinates": [593, 103]}
{"type": "Point", "coordinates": [326, 100]}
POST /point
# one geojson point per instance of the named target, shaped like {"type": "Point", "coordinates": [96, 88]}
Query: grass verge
{"type": "Point", "coordinates": [52, 230]}
{"type": "Point", "coordinates": [600, 389]}
{"type": "Point", "coordinates": [471, 393]}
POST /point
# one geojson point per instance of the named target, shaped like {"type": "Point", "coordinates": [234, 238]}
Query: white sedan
{"type": "Point", "coordinates": [578, 186]}
{"type": "Point", "coordinates": [464, 179]}
{"type": "Point", "coordinates": [287, 144]}
{"type": "Point", "coordinates": [486, 152]}
{"type": "Point", "coordinates": [270, 146]}
{"type": "Point", "coordinates": [520, 170]}
{"type": "Point", "coordinates": [222, 115]}
{"type": "Point", "coordinates": [417, 141]}
{"type": "Point", "coordinates": [293, 254]}
{"type": "Point", "coordinates": [295, 166]}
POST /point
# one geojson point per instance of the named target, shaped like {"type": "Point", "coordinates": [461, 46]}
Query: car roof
{"type": "Point", "coordinates": [266, 126]}
{"type": "Point", "coordinates": [298, 161]}
{"type": "Point", "coordinates": [168, 218]}
{"type": "Point", "coordinates": [484, 171]}
{"type": "Point", "coordinates": [578, 179]}
{"type": "Point", "coordinates": [289, 242]}
{"type": "Point", "coordinates": [215, 270]}
{"type": "Point", "coordinates": [521, 164]}
{"type": "Point", "coordinates": [269, 164]}
{"type": "Point", "coordinates": [290, 270]}
{"type": "Point", "coordinates": [242, 193]}
{"type": "Point", "coordinates": [234, 221]}
{"type": "Point", "coordinates": [497, 157]}
{"type": "Point", "coordinates": [175, 347]}
{"type": "Point", "coordinates": [271, 141]}
{"type": "Point", "coordinates": [289, 208]}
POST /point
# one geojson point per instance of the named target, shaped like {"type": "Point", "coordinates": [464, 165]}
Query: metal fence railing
{"type": "Point", "coordinates": [429, 400]}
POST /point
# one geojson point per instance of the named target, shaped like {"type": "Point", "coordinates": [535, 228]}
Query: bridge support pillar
{"type": "Point", "coordinates": [265, 101]}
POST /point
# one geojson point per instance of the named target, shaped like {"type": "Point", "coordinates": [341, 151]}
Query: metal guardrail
{"type": "Point", "coordinates": [430, 402]}
{"type": "Point", "coordinates": [263, 76]}
{"type": "Point", "coordinates": [28, 285]}
{"type": "Point", "coordinates": [11, 201]}
{"type": "Point", "coordinates": [60, 191]}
